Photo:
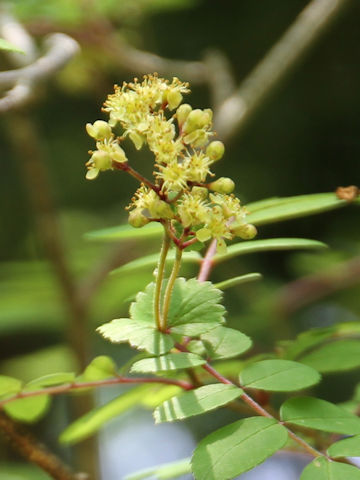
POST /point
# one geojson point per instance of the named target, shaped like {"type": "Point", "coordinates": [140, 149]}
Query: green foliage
{"type": "Point", "coordinates": [163, 472]}
{"type": "Point", "coordinates": [320, 415]}
{"type": "Point", "coordinates": [223, 342]}
{"type": "Point", "coordinates": [348, 447]}
{"type": "Point", "coordinates": [279, 209]}
{"type": "Point", "coordinates": [52, 380]}
{"type": "Point", "coordinates": [279, 376]}
{"type": "Point", "coordinates": [100, 368]}
{"type": "Point", "coordinates": [235, 281]}
{"type": "Point", "coordinates": [29, 409]}
{"type": "Point", "coordinates": [196, 402]}
{"type": "Point", "coordinates": [9, 385]}
{"type": "Point", "coordinates": [139, 333]}
{"type": "Point", "coordinates": [237, 448]}
{"type": "Point", "coordinates": [337, 356]}
{"type": "Point", "coordinates": [322, 469]}
{"type": "Point", "coordinates": [90, 423]}
{"type": "Point", "coordinates": [9, 47]}
{"type": "Point", "coordinates": [164, 363]}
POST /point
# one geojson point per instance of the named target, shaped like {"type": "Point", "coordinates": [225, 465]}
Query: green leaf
{"type": "Point", "coordinates": [126, 232]}
{"type": "Point", "coordinates": [337, 356]}
{"type": "Point", "coordinates": [196, 402]}
{"type": "Point", "coordinates": [277, 210]}
{"type": "Point", "coordinates": [28, 409]}
{"type": "Point", "coordinates": [223, 342]}
{"type": "Point", "coordinates": [90, 423]}
{"type": "Point", "coordinates": [279, 376]}
{"type": "Point", "coordinates": [233, 282]}
{"type": "Point", "coordinates": [152, 260]}
{"type": "Point", "coordinates": [9, 385]}
{"type": "Point", "coordinates": [138, 333]}
{"type": "Point", "coordinates": [267, 245]}
{"type": "Point", "coordinates": [320, 415]}
{"type": "Point", "coordinates": [322, 469]}
{"type": "Point", "coordinates": [100, 368]}
{"type": "Point", "coordinates": [307, 340]}
{"type": "Point", "coordinates": [19, 471]}
{"type": "Point", "coordinates": [159, 394]}
{"type": "Point", "coordinates": [348, 447]}
{"type": "Point", "coordinates": [9, 47]}
{"type": "Point", "coordinates": [52, 380]}
{"type": "Point", "coordinates": [163, 472]}
{"type": "Point", "coordinates": [194, 307]}
{"type": "Point", "coordinates": [237, 448]}
{"type": "Point", "coordinates": [170, 361]}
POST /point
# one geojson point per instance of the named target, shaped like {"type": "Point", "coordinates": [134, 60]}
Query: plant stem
{"type": "Point", "coordinates": [170, 286]}
{"type": "Point", "coordinates": [207, 262]}
{"type": "Point", "coordinates": [68, 387]}
{"type": "Point", "coordinates": [159, 280]}
{"type": "Point", "coordinates": [125, 167]}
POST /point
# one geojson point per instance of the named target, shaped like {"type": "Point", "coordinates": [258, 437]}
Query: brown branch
{"type": "Point", "coordinates": [28, 446]}
{"type": "Point", "coordinates": [235, 111]}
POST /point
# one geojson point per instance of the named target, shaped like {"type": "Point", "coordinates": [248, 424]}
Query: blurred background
{"type": "Point", "coordinates": [302, 138]}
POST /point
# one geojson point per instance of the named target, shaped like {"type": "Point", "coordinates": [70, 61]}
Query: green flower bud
{"type": "Point", "coordinates": [137, 219]}
{"type": "Point", "coordinates": [100, 130]}
{"type": "Point", "coordinates": [222, 185]}
{"type": "Point", "coordinates": [174, 98]}
{"type": "Point", "coordinates": [137, 139]}
{"type": "Point", "coordinates": [196, 119]}
{"type": "Point", "coordinates": [200, 192]}
{"type": "Point", "coordinates": [92, 173]}
{"type": "Point", "coordinates": [161, 209]}
{"type": "Point", "coordinates": [101, 160]}
{"type": "Point", "coordinates": [182, 113]}
{"type": "Point", "coordinates": [246, 231]}
{"type": "Point", "coordinates": [215, 150]}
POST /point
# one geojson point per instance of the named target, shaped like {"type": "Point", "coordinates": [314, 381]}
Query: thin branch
{"type": "Point", "coordinates": [207, 262]}
{"type": "Point", "coordinates": [29, 447]}
{"type": "Point", "coordinates": [69, 387]}
{"type": "Point", "coordinates": [300, 37]}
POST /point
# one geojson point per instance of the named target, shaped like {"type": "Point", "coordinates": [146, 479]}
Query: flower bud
{"type": "Point", "coordinates": [182, 113]}
{"type": "Point", "coordinates": [137, 219]}
{"type": "Point", "coordinates": [246, 231]}
{"type": "Point", "coordinates": [195, 120]}
{"type": "Point", "coordinates": [215, 150]}
{"type": "Point", "coordinates": [100, 130]}
{"type": "Point", "coordinates": [174, 98]}
{"type": "Point", "coordinates": [222, 185]}
{"type": "Point", "coordinates": [161, 209]}
{"type": "Point", "coordinates": [101, 160]}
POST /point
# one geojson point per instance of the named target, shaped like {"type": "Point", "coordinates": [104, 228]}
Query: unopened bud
{"type": "Point", "coordinates": [100, 130]}
{"type": "Point", "coordinates": [182, 113]}
{"type": "Point", "coordinates": [195, 120]}
{"type": "Point", "coordinates": [246, 231]}
{"type": "Point", "coordinates": [215, 150]}
{"type": "Point", "coordinates": [101, 160]}
{"type": "Point", "coordinates": [222, 185]}
{"type": "Point", "coordinates": [137, 219]}
{"type": "Point", "coordinates": [174, 98]}
{"type": "Point", "coordinates": [161, 209]}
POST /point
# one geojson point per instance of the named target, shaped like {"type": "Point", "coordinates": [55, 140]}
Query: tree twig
{"type": "Point", "coordinates": [300, 37]}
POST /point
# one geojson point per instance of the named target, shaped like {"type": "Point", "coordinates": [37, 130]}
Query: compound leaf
{"type": "Point", "coordinates": [237, 448]}
{"type": "Point", "coordinates": [320, 415]}
{"type": "Point", "coordinates": [322, 469]}
{"type": "Point", "coordinates": [196, 402]}
{"type": "Point", "coordinates": [9, 385]}
{"type": "Point", "coordinates": [279, 376]}
{"type": "Point", "coordinates": [170, 361]}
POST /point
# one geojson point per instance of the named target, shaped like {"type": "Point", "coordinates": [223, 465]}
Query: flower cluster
{"type": "Point", "coordinates": [179, 194]}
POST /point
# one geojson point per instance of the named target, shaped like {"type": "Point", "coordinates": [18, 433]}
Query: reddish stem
{"type": "Point", "coordinates": [207, 262]}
